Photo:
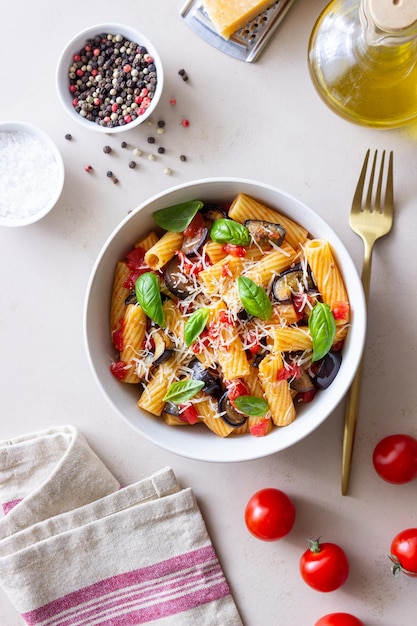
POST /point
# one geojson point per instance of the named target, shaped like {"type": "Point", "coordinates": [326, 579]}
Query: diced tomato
{"type": "Point", "coordinates": [225, 318]}
{"type": "Point", "coordinates": [188, 413]}
{"type": "Point", "coordinates": [306, 396]}
{"type": "Point", "coordinates": [300, 301]}
{"type": "Point", "coordinates": [341, 310]}
{"type": "Point", "coordinates": [119, 369]}
{"type": "Point", "coordinates": [202, 342]}
{"type": "Point", "coordinates": [135, 258]}
{"type": "Point", "coordinates": [259, 429]}
{"type": "Point", "coordinates": [226, 271]}
{"type": "Point", "coordinates": [291, 370]}
{"type": "Point", "coordinates": [236, 388]}
{"type": "Point", "coordinates": [117, 338]}
{"type": "Point", "coordinates": [196, 224]}
{"type": "Point", "coordinates": [233, 250]}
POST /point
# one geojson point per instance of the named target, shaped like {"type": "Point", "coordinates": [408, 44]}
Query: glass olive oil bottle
{"type": "Point", "coordinates": [363, 61]}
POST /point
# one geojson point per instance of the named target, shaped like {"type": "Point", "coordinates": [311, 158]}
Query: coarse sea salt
{"type": "Point", "coordinates": [29, 174]}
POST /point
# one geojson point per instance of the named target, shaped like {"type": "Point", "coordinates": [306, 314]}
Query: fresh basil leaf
{"type": "Point", "coordinates": [149, 297]}
{"type": "Point", "coordinates": [254, 298]}
{"type": "Point", "coordinates": [176, 218]}
{"type": "Point", "coordinates": [251, 405]}
{"type": "Point", "coordinates": [183, 390]}
{"type": "Point", "coordinates": [228, 231]}
{"type": "Point", "coordinates": [322, 327]}
{"type": "Point", "coordinates": [195, 325]}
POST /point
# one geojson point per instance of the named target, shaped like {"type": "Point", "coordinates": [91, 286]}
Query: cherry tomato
{"type": "Point", "coordinates": [339, 619]}
{"type": "Point", "coordinates": [269, 514]}
{"type": "Point", "coordinates": [395, 459]}
{"type": "Point", "coordinates": [324, 566]}
{"type": "Point", "coordinates": [404, 552]}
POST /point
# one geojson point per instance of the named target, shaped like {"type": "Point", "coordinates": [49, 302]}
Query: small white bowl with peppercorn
{"type": "Point", "coordinates": [110, 78]}
{"type": "Point", "coordinates": [152, 319]}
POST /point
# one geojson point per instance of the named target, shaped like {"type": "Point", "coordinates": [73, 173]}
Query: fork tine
{"type": "Point", "coordinates": [357, 196]}
{"type": "Point", "coordinates": [389, 192]}
{"type": "Point", "coordinates": [368, 202]}
{"type": "Point", "coordinates": [378, 195]}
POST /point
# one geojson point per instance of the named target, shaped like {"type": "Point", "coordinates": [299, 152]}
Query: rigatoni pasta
{"type": "Point", "coordinates": [229, 331]}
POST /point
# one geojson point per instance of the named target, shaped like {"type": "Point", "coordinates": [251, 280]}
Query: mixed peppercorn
{"type": "Point", "coordinates": [112, 80]}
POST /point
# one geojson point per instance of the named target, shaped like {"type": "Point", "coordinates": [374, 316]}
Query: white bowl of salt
{"type": "Point", "coordinates": [32, 174]}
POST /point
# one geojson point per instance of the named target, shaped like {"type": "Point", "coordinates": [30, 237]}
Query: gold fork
{"type": "Point", "coordinates": [371, 217]}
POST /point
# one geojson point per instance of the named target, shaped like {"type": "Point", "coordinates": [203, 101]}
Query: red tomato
{"type": "Point", "coordinates": [119, 369]}
{"type": "Point", "coordinates": [233, 250]}
{"type": "Point", "coordinates": [269, 514]}
{"type": "Point", "coordinates": [339, 619]}
{"type": "Point", "coordinates": [324, 566]}
{"type": "Point", "coordinates": [196, 224]}
{"type": "Point", "coordinates": [395, 459]}
{"type": "Point", "coordinates": [404, 552]}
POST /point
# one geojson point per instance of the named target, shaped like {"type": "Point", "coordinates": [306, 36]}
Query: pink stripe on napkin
{"type": "Point", "coordinates": [160, 590]}
{"type": "Point", "coordinates": [8, 506]}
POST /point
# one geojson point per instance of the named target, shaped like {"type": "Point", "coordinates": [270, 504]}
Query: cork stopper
{"type": "Point", "coordinates": [393, 15]}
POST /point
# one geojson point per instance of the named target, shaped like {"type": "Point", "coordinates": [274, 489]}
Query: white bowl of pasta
{"type": "Point", "coordinates": [237, 320]}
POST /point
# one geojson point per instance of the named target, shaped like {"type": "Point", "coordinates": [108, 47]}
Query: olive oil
{"type": "Point", "coordinates": [366, 75]}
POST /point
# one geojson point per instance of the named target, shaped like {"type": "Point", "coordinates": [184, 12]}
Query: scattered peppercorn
{"type": "Point", "coordinates": [151, 139]}
{"type": "Point", "coordinates": [88, 168]}
{"type": "Point", "coordinates": [161, 123]}
{"type": "Point", "coordinates": [185, 123]}
{"type": "Point", "coordinates": [132, 165]}
{"type": "Point", "coordinates": [183, 157]}
{"type": "Point", "coordinates": [123, 144]}
{"type": "Point", "coordinates": [161, 150]}
{"type": "Point", "coordinates": [173, 101]}
{"type": "Point", "coordinates": [115, 181]}
{"type": "Point", "coordinates": [107, 149]}
{"type": "Point", "coordinates": [109, 174]}
{"type": "Point", "coordinates": [68, 136]}
{"type": "Point", "coordinates": [183, 74]}
{"type": "Point", "coordinates": [168, 171]}
{"type": "Point", "coordinates": [151, 157]}
{"type": "Point", "coordinates": [160, 131]}
{"type": "Point", "coordinates": [137, 152]}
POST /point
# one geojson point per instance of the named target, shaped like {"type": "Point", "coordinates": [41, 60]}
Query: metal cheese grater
{"type": "Point", "coordinates": [248, 42]}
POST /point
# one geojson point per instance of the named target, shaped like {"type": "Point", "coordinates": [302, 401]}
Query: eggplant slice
{"type": "Point", "coordinates": [263, 232]}
{"type": "Point", "coordinates": [177, 282]}
{"type": "Point", "coordinates": [209, 378]}
{"type": "Point", "coordinates": [213, 212]}
{"type": "Point", "coordinates": [229, 414]}
{"type": "Point", "coordinates": [191, 245]}
{"type": "Point", "coordinates": [328, 368]}
{"type": "Point", "coordinates": [293, 280]}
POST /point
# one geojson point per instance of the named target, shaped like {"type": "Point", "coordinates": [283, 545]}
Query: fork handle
{"type": "Point", "coordinates": [352, 405]}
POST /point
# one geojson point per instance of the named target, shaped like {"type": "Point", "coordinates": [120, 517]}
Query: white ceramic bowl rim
{"type": "Point", "coordinates": [15, 126]}
{"type": "Point", "coordinates": [200, 445]}
{"type": "Point", "coordinates": [75, 44]}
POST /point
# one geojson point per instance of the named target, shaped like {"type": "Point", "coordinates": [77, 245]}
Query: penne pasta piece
{"type": "Point", "coordinates": [245, 208]}
{"type": "Point", "coordinates": [291, 339]}
{"type": "Point", "coordinates": [277, 392]}
{"type": "Point", "coordinates": [148, 242]}
{"type": "Point", "coordinates": [325, 271]}
{"type": "Point", "coordinates": [209, 415]}
{"type": "Point", "coordinates": [217, 277]}
{"type": "Point", "coordinates": [272, 263]}
{"type": "Point", "coordinates": [152, 398]}
{"type": "Point", "coordinates": [119, 295]}
{"type": "Point", "coordinates": [133, 335]}
{"type": "Point", "coordinates": [163, 251]}
{"type": "Point", "coordinates": [215, 251]}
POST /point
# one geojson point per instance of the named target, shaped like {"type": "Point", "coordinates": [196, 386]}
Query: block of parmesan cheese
{"type": "Point", "coordinates": [228, 16]}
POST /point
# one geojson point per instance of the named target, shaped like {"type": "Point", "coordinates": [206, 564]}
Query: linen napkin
{"type": "Point", "coordinates": [78, 550]}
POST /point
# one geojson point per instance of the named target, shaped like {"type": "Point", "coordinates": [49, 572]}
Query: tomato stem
{"type": "Point", "coordinates": [314, 545]}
